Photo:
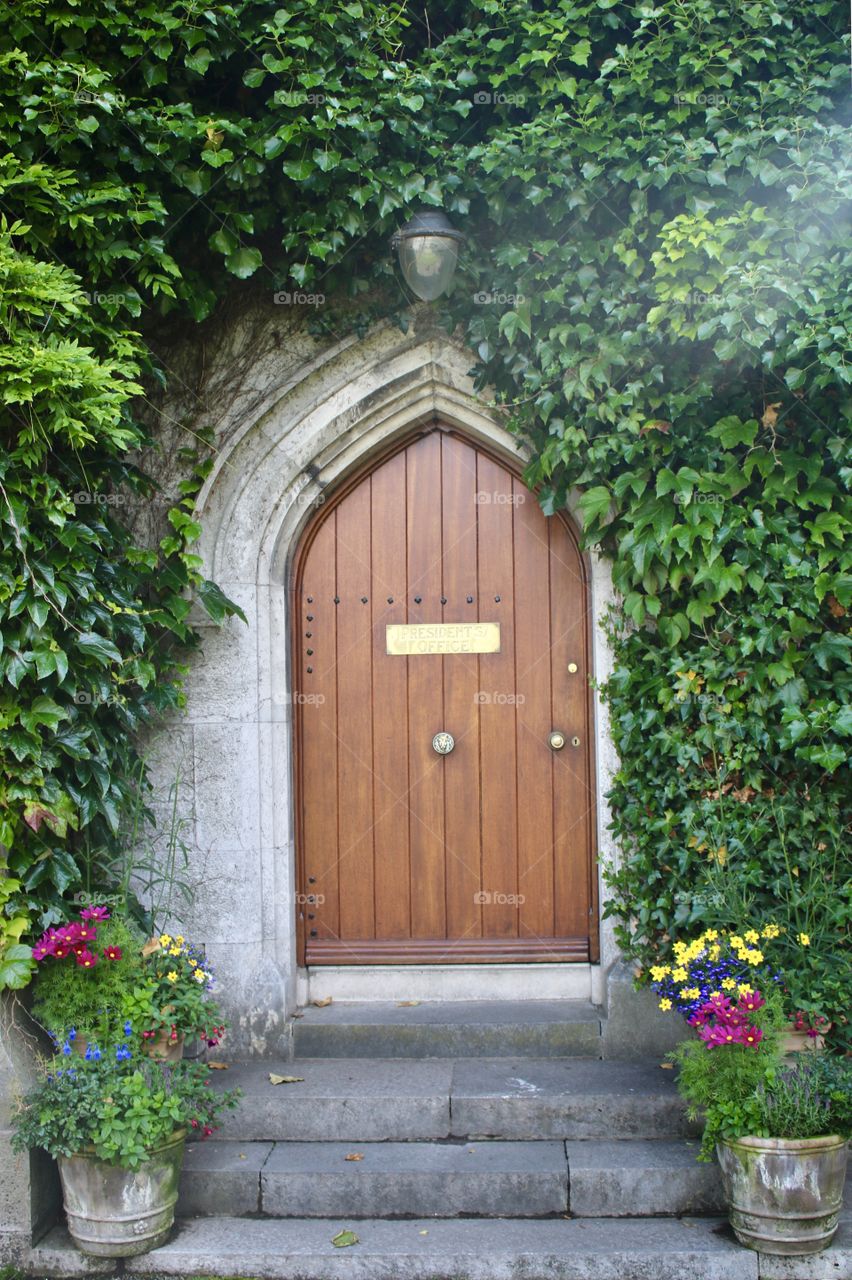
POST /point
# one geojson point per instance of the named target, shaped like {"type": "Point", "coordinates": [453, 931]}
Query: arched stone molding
{"type": "Point", "coordinates": [318, 423]}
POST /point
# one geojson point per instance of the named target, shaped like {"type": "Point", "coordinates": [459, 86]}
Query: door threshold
{"type": "Point", "coordinates": [382, 983]}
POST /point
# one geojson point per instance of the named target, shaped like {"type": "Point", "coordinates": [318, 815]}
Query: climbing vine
{"type": "Point", "coordinates": [655, 284]}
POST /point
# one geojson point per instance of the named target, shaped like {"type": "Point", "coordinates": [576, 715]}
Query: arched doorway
{"type": "Point", "coordinates": [432, 597]}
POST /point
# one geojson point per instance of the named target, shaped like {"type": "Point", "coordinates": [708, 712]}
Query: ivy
{"type": "Point", "coordinates": [655, 284]}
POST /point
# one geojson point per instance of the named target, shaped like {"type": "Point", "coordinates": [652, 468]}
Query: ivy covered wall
{"type": "Point", "coordinates": [656, 282]}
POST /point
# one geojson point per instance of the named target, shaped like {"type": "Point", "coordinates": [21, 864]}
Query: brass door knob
{"type": "Point", "coordinates": [556, 740]}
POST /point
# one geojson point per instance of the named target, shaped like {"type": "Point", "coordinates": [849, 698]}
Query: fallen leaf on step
{"type": "Point", "coordinates": [274, 1079]}
{"type": "Point", "coordinates": [343, 1239]}
{"type": "Point", "coordinates": [354, 1155]}
{"type": "Point", "coordinates": [424, 1233]}
{"type": "Point", "coordinates": [667, 1066]}
{"type": "Point", "coordinates": [322, 1004]}
{"type": "Point", "coordinates": [242, 1157]}
{"type": "Point", "coordinates": [406, 1004]}
{"type": "Point", "coordinates": [217, 1066]}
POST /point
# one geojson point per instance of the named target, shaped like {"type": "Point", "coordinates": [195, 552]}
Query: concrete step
{"type": "Point", "coordinates": [638, 1179]}
{"type": "Point", "coordinates": [419, 1179]}
{"type": "Point", "coordinates": [381, 1100]}
{"type": "Point", "coordinates": [466, 1249]}
{"type": "Point", "coordinates": [449, 1029]}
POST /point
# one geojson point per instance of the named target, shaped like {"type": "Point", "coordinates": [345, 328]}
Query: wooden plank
{"type": "Point", "coordinates": [461, 685]}
{"type": "Point", "coordinates": [498, 765]}
{"type": "Point", "coordinates": [354, 724]}
{"type": "Point", "coordinates": [315, 622]}
{"type": "Point", "coordinates": [425, 700]}
{"type": "Point", "coordinates": [535, 764]}
{"type": "Point", "coordinates": [572, 800]}
{"type": "Point", "coordinates": [452, 951]}
{"type": "Point", "coordinates": [390, 704]}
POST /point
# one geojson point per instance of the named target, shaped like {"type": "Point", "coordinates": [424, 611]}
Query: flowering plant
{"type": "Point", "coordinates": [119, 1108]}
{"type": "Point", "coordinates": [86, 969]}
{"type": "Point", "coordinates": [175, 992]}
{"type": "Point", "coordinates": [714, 964]}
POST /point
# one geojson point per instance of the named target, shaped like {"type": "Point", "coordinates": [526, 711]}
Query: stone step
{"type": "Point", "coordinates": [466, 1249]}
{"type": "Point", "coordinates": [449, 1029]}
{"type": "Point", "coordinates": [416, 1179]}
{"type": "Point", "coordinates": [382, 1100]}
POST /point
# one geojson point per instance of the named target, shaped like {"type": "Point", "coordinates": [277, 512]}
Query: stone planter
{"type": "Point", "coordinates": [791, 1042]}
{"type": "Point", "coordinates": [784, 1194]}
{"type": "Point", "coordinates": [118, 1213]}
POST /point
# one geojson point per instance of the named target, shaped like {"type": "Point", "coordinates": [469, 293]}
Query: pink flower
{"type": "Point", "coordinates": [753, 1001]}
{"type": "Point", "coordinates": [112, 953]}
{"type": "Point", "coordinates": [86, 932]}
{"type": "Point", "coordinates": [86, 960]}
{"type": "Point", "coordinates": [94, 913]}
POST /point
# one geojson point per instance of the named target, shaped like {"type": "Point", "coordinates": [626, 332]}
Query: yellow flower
{"type": "Point", "coordinates": [174, 951]}
{"type": "Point", "coordinates": [770, 931]}
{"type": "Point", "coordinates": [754, 957]}
{"type": "Point", "coordinates": [737, 942]}
{"type": "Point", "coordinates": [752, 936]}
{"type": "Point", "coordinates": [665, 1005]}
{"type": "Point", "coordinates": [691, 993]}
{"type": "Point", "coordinates": [172, 976]}
{"type": "Point", "coordinates": [179, 940]}
{"type": "Point", "coordinates": [193, 964]}
{"type": "Point", "coordinates": [679, 975]}
{"type": "Point", "coordinates": [659, 971]}
{"type": "Point", "coordinates": [711, 935]}
{"type": "Point", "coordinates": [200, 975]}
{"type": "Point", "coordinates": [714, 995]}
{"type": "Point", "coordinates": [715, 952]}
{"type": "Point", "coordinates": [744, 989]}
{"type": "Point", "coordinates": [165, 940]}
{"type": "Point", "coordinates": [728, 984]}
{"type": "Point", "coordinates": [805, 939]}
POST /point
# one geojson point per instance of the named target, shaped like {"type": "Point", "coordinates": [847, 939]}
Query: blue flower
{"type": "Point", "coordinates": [96, 1054]}
{"type": "Point", "coordinates": [66, 1049]}
{"type": "Point", "coordinates": [72, 1034]}
{"type": "Point", "coordinates": [128, 1029]}
{"type": "Point", "coordinates": [88, 1052]}
{"type": "Point", "coordinates": [122, 1053]}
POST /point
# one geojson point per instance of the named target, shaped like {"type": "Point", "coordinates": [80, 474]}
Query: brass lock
{"type": "Point", "coordinates": [575, 742]}
{"type": "Point", "coordinates": [572, 667]}
{"type": "Point", "coordinates": [556, 740]}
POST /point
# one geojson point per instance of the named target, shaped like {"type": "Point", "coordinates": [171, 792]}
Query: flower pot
{"type": "Point", "coordinates": [784, 1194]}
{"type": "Point", "coordinates": [790, 1042]}
{"type": "Point", "coordinates": [163, 1048]}
{"type": "Point", "coordinates": [117, 1213]}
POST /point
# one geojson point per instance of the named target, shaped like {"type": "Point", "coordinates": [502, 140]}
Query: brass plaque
{"type": "Point", "coordinates": [408, 639]}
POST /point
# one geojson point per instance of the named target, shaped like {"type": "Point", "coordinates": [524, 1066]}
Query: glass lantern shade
{"type": "Point", "coordinates": [428, 248]}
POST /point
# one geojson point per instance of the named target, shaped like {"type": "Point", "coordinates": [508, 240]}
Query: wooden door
{"type": "Point", "coordinates": [408, 856]}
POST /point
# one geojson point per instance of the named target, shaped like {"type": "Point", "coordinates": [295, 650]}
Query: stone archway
{"type": "Point", "coordinates": [340, 408]}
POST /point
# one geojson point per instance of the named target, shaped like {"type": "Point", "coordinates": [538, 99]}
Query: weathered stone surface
{"type": "Point", "coordinates": [407, 1179]}
{"type": "Point", "coordinates": [222, 1178]}
{"type": "Point", "coordinates": [29, 1185]}
{"type": "Point", "coordinates": [463, 1029]}
{"type": "Point", "coordinates": [572, 1098]}
{"type": "Point", "coordinates": [352, 1100]}
{"type": "Point", "coordinates": [635, 1026]}
{"type": "Point", "coordinates": [429, 1249]}
{"type": "Point", "coordinates": [636, 1178]}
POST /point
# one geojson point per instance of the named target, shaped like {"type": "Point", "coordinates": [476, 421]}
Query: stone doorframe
{"type": "Point", "coordinates": [318, 422]}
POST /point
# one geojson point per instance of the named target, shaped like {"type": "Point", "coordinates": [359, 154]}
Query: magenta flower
{"type": "Point", "coordinates": [94, 913]}
{"type": "Point", "coordinates": [753, 1001]}
{"type": "Point", "coordinates": [112, 953]}
{"type": "Point", "coordinates": [86, 960]}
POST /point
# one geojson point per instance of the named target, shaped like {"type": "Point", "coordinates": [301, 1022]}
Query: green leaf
{"type": "Point", "coordinates": [731, 431]}
{"type": "Point", "coordinates": [97, 647]}
{"type": "Point", "coordinates": [16, 967]}
{"type": "Point", "coordinates": [244, 262]}
{"type": "Point", "coordinates": [594, 504]}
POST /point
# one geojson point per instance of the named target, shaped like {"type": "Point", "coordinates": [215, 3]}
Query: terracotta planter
{"type": "Point", "coordinates": [784, 1194]}
{"type": "Point", "coordinates": [118, 1213]}
{"type": "Point", "coordinates": [163, 1048]}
